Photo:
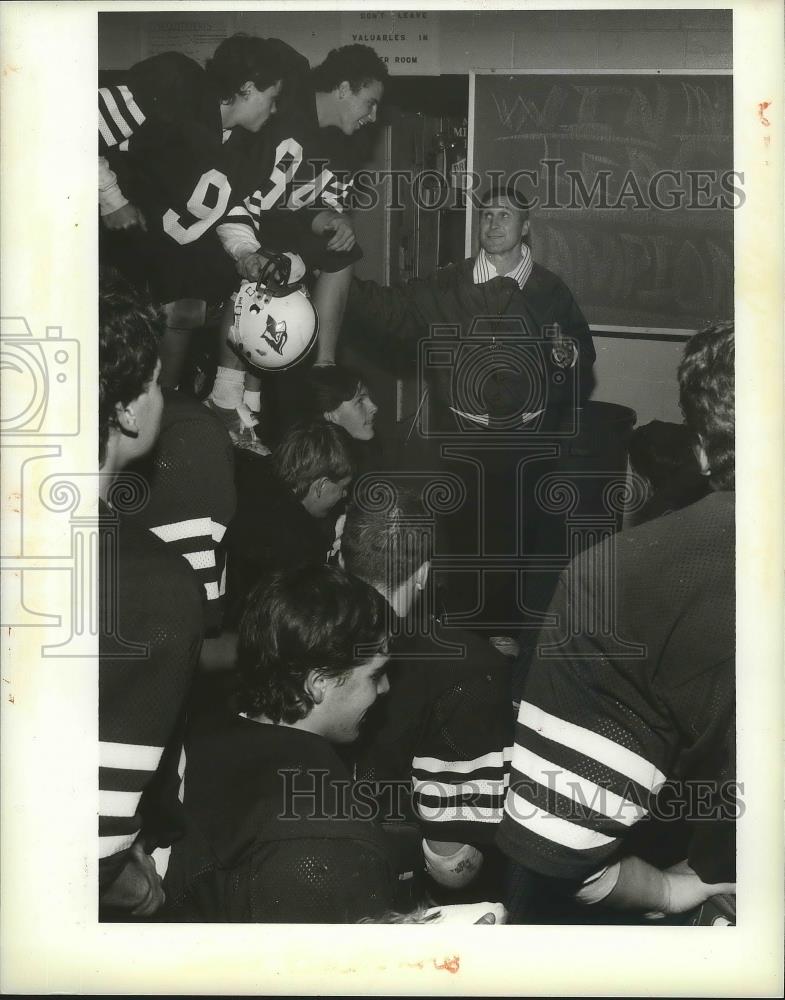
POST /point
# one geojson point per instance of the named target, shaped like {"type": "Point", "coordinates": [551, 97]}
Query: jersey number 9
{"type": "Point", "coordinates": [207, 205]}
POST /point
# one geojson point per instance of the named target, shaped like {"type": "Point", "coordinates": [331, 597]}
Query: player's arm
{"type": "Point", "coordinates": [238, 236]}
{"type": "Point", "coordinates": [451, 864]}
{"type": "Point", "coordinates": [459, 770]}
{"type": "Point", "coordinates": [119, 116]}
{"type": "Point", "coordinates": [590, 754]}
{"type": "Point", "coordinates": [329, 214]}
{"type": "Point", "coordinates": [139, 705]}
{"type": "Point", "coordinates": [338, 225]}
{"type": "Point", "coordinates": [115, 209]}
{"type": "Point", "coordinates": [387, 322]}
{"type": "Point", "coordinates": [155, 90]}
{"type": "Point", "coordinates": [637, 885]}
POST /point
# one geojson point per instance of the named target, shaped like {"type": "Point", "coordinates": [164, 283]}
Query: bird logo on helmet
{"type": "Point", "coordinates": [275, 323]}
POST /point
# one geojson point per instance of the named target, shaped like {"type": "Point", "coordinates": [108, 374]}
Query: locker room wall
{"type": "Point", "coordinates": [502, 40]}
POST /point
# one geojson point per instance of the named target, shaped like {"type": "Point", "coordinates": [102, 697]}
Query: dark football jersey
{"type": "Point", "coordinates": [273, 833]}
{"type": "Point", "coordinates": [160, 130]}
{"type": "Point", "coordinates": [300, 169]}
{"type": "Point", "coordinates": [190, 474]}
{"type": "Point", "coordinates": [628, 712]}
{"type": "Point", "coordinates": [442, 734]}
{"type": "Point", "coordinates": [151, 633]}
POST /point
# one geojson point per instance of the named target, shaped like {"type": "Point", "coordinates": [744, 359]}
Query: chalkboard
{"type": "Point", "coordinates": [631, 183]}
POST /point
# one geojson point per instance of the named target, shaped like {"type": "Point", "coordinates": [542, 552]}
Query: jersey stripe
{"type": "Point", "coordinates": [107, 846]}
{"type": "Point", "coordinates": [496, 759]}
{"type": "Point", "coordinates": [119, 114]}
{"type": "Point", "coordinates": [553, 828]}
{"type": "Point", "coordinates": [131, 105]}
{"type": "Point", "coordinates": [444, 789]}
{"type": "Point", "coordinates": [196, 527]}
{"type": "Point", "coordinates": [205, 559]}
{"type": "Point", "coordinates": [573, 786]}
{"type": "Point", "coordinates": [113, 116]}
{"type": "Point", "coordinates": [129, 756]}
{"type": "Point", "coordinates": [460, 813]}
{"type": "Point", "coordinates": [592, 745]}
{"type": "Point", "coordinates": [195, 540]}
{"type": "Point", "coordinates": [105, 131]}
{"type": "Point", "coordinates": [118, 803]}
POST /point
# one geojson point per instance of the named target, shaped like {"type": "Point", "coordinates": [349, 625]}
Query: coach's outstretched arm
{"type": "Point", "coordinates": [385, 321]}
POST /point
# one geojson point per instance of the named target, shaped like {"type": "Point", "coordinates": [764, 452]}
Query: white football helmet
{"type": "Point", "coordinates": [275, 324]}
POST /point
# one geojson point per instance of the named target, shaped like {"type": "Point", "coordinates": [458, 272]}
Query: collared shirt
{"type": "Point", "coordinates": [484, 270]}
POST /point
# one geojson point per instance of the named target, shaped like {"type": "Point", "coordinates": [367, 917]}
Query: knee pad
{"type": "Point", "coordinates": [185, 314]}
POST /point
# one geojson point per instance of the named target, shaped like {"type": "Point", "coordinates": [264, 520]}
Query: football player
{"type": "Point", "coordinates": [151, 622]}
{"type": "Point", "coordinates": [300, 204]}
{"type": "Point", "coordinates": [627, 727]}
{"type": "Point", "coordinates": [447, 721]}
{"type": "Point", "coordinates": [175, 143]}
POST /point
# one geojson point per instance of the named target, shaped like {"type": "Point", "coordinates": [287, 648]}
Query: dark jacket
{"type": "Point", "coordinates": [496, 316]}
{"type": "Point", "coordinates": [271, 835]}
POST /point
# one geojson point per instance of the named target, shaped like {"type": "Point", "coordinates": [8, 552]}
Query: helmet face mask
{"type": "Point", "coordinates": [274, 325]}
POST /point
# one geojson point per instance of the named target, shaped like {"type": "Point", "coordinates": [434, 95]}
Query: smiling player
{"type": "Point", "coordinates": [175, 142]}
{"type": "Point", "coordinates": [300, 205]}
{"type": "Point", "coordinates": [273, 836]}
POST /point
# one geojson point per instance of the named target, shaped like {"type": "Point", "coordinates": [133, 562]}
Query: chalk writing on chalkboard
{"type": "Point", "coordinates": [631, 184]}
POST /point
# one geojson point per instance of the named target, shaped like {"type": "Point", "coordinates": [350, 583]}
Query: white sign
{"type": "Point", "coordinates": [407, 40]}
{"type": "Point", "coordinates": [195, 36]}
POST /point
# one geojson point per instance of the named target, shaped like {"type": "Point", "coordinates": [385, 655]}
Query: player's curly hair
{"type": "Point", "coordinates": [309, 451]}
{"type": "Point", "coordinates": [707, 398]}
{"type": "Point", "coordinates": [359, 65]}
{"type": "Point", "coordinates": [313, 618]}
{"type": "Point", "coordinates": [128, 332]}
{"type": "Point", "coordinates": [263, 61]}
{"type": "Point", "coordinates": [385, 543]}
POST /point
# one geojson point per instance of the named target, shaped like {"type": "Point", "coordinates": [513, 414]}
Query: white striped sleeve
{"type": "Point", "coordinates": [119, 116]}
{"type": "Point", "coordinates": [574, 794]}
{"type": "Point", "coordinates": [460, 791]}
{"type": "Point", "coordinates": [197, 541]}
{"type": "Point", "coordinates": [125, 769]}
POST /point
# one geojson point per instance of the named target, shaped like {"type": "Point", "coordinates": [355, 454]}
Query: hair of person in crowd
{"type": "Point", "coordinates": [386, 544]}
{"type": "Point", "coordinates": [707, 399]}
{"type": "Point", "coordinates": [240, 58]}
{"type": "Point", "coordinates": [310, 619]}
{"type": "Point", "coordinates": [660, 450]}
{"type": "Point", "coordinates": [329, 387]}
{"type": "Point", "coordinates": [129, 329]}
{"type": "Point", "coordinates": [426, 913]}
{"type": "Point", "coordinates": [358, 65]}
{"type": "Point", "coordinates": [311, 451]}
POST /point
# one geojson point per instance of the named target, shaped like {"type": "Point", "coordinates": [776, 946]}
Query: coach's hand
{"type": "Point", "coordinates": [339, 225]}
{"type": "Point", "coordinates": [138, 887]}
{"type": "Point", "coordinates": [127, 217]}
